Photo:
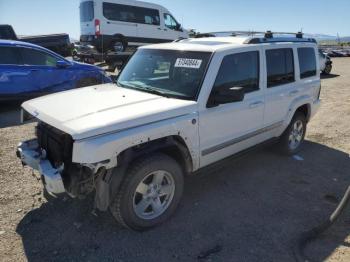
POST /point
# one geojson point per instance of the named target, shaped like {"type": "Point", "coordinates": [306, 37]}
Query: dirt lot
{"type": "Point", "coordinates": [252, 208]}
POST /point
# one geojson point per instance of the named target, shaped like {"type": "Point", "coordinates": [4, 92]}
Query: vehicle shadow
{"type": "Point", "coordinates": [253, 207]}
{"type": "Point", "coordinates": [10, 114]}
{"type": "Point", "coordinates": [329, 76]}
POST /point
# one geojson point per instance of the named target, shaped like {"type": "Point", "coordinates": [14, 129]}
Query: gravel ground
{"type": "Point", "coordinates": [248, 209]}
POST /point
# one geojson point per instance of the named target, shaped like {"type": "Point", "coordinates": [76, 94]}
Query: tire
{"type": "Point", "coordinates": [142, 211]}
{"type": "Point", "coordinates": [327, 69]}
{"type": "Point", "coordinates": [118, 45]}
{"type": "Point", "coordinates": [293, 137]}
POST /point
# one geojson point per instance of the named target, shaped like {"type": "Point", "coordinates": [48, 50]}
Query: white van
{"type": "Point", "coordinates": [116, 24]}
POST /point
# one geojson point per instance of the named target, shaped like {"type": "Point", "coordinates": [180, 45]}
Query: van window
{"type": "Point", "coordinates": [307, 62]}
{"type": "Point", "coordinates": [170, 22]}
{"type": "Point", "coordinates": [9, 56]}
{"type": "Point", "coordinates": [240, 70]}
{"type": "Point", "coordinates": [132, 14]}
{"type": "Point", "coordinates": [86, 11]}
{"type": "Point", "coordinates": [280, 67]}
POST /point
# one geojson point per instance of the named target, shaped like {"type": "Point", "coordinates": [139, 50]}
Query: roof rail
{"type": "Point", "coordinates": [264, 37]}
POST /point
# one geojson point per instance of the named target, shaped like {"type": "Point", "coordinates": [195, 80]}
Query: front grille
{"type": "Point", "coordinates": [57, 144]}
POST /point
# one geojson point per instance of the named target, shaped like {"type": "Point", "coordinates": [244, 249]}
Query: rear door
{"type": "Point", "coordinates": [281, 86]}
{"type": "Point", "coordinates": [87, 14]}
{"type": "Point", "coordinates": [118, 19]}
{"type": "Point", "coordinates": [14, 76]}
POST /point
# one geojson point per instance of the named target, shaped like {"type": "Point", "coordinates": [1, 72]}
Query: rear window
{"type": "Point", "coordinates": [37, 58]}
{"type": "Point", "coordinates": [87, 11]}
{"type": "Point", "coordinates": [6, 32]}
{"type": "Point", "coordinates": [132, 14]}
{"type": "Point", "coordinates": [280, 67]}
{"type": "Point", "coordinates": [307, 62]}
{"type": "Point", "coordinates": [9, 56]}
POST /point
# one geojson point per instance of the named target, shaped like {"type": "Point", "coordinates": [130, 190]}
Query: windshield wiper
{"type": "Point", "coordinates": [155, 91]}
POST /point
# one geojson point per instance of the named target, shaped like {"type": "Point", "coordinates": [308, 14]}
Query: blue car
{"type": "Point", "coordinates": [28, 71]}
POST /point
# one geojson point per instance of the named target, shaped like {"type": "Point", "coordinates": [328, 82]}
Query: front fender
{"type": "Point", "coordinates": [106, 148]}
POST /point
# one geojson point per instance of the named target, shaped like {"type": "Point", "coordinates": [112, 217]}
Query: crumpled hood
{"type": "Point", "coordinates": [101, 109]}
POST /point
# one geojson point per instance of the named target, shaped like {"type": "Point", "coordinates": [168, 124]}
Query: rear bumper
{"type": "Point", "coordinates": [30, 155]}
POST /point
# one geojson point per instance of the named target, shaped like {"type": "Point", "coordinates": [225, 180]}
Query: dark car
{"type": "Point", "coordinates": [58, 43]}
{"type": "Point", "coordinates": [28, 71]}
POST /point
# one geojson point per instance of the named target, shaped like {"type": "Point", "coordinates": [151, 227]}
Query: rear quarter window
{"type": "Point", "coordinates": [307, 62]}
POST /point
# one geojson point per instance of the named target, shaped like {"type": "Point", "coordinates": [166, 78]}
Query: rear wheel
{"type": "Point", "coordinates": [118, 45]}
{"type": "Point", "coordinates": [149, 194]}
{"type": "Point", "coordinates": [293, 137]}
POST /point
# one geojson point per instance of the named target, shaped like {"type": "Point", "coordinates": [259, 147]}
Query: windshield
{"type": "Point", "coordinates": [168, 73]}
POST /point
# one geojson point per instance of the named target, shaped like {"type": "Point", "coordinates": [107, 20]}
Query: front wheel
{"type": "Point", "coordinates": [293, 138]}
{"type": "Point", "coordinates": [149, 194]}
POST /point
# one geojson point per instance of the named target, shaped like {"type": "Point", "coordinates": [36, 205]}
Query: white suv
{"type": "Point", "coordinates": [118, 24]}
{"type": "Point", "coordinates": [176, 108]}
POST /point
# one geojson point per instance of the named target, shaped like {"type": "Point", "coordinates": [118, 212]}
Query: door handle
{"type": "Point", "coordinates": [159, 28]}
{"type": "Point", "coordinates": [293, 93]}
{"type": "Point", "coordinates": [256, 104]}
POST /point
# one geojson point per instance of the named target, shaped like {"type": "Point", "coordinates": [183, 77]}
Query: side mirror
{"type": "Point", "coordinates": [62, 64]}
{"type": "Point", "coordinates": [225, 95]}
{"type": "Point", "coordinates": [179, 27]}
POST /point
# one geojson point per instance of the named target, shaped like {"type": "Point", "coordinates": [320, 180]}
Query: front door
{"type": "Point", "coordinates": [229, 128]}
{"type": "Point", "coordinates": [45, 77]}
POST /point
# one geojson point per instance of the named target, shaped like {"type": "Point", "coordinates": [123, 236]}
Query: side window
{"type": "Point", "coordinates": [170, 22]}
{"type": "Point", "coordinates": [148, 16]}
{"type": "Point", "coordinates": [280, 67]}
{"type": "Point", "coordinates": [9, 56]}
{"type": "Point", "coordinates": [131, 14]}
{"type": "Point", "coordinates": [240, 70]}
{"type": "Point", "coordinates": [37, 58]}
{"type": "Point", "coordinates": [117, 12]}
{"type": "Point", "coordinates": [307, 62]}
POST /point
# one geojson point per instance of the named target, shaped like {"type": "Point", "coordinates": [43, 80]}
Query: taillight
{"type": "Point", "coordinates": [97, 27]}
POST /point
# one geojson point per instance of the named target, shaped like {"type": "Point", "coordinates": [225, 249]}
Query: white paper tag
{"type": "Point", "coordinates": [188, 63]}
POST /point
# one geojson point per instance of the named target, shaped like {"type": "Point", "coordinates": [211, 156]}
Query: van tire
{"type": "Point", "coordinates": [124, 207]}
{"type": "Point", "coordinates": [121, 41]}
{"type": "Point", "coordinates": [290, 134]}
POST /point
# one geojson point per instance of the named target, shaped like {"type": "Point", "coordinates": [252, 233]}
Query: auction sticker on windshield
{"type": "Point", "coordinates": [188, 63]}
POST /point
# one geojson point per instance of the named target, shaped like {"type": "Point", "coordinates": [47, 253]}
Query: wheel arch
{"type": "Point", "coordinates": [173, 146]}
{"type": "Point", "coordinates": [305, 109]}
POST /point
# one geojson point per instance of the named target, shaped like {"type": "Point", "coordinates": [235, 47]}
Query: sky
{"type": "Point", "coordinates": [30, 17]}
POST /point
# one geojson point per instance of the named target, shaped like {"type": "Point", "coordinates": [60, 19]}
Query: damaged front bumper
{"type": "Point", "coordinates": [31, 156]}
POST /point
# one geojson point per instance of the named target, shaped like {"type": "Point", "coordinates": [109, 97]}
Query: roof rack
{"type": "Point", "coordinates": [265, 37]}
